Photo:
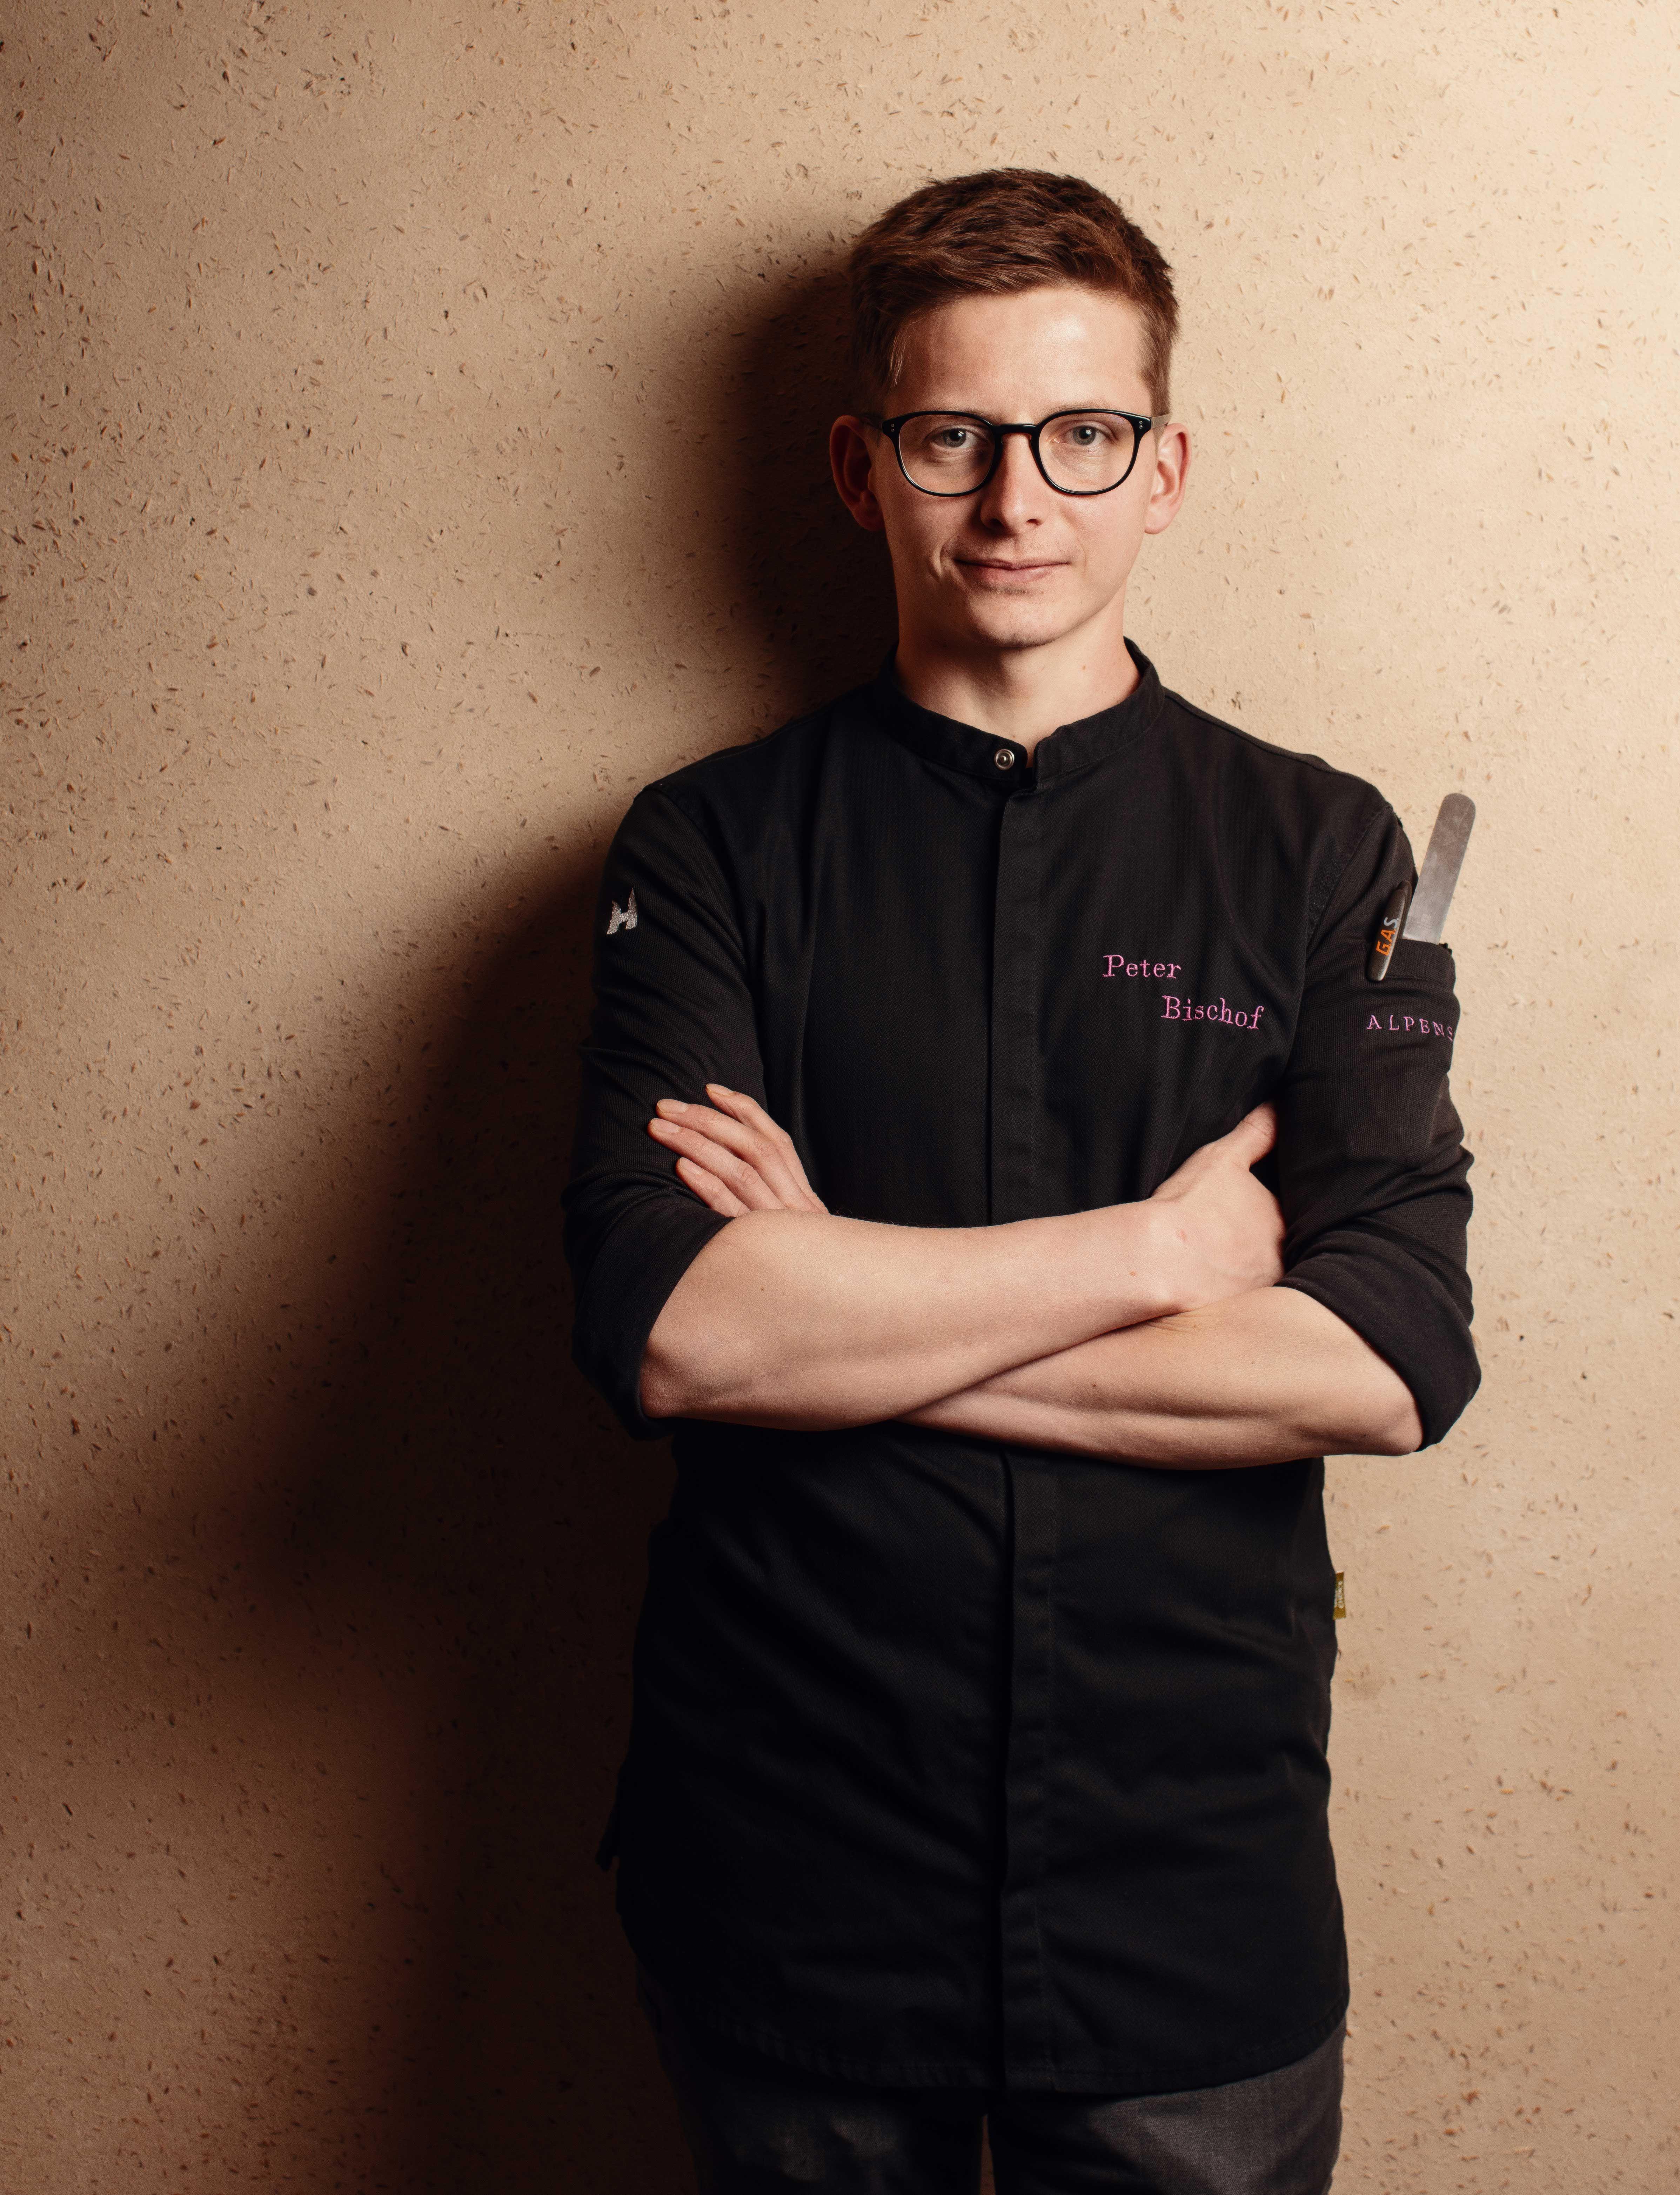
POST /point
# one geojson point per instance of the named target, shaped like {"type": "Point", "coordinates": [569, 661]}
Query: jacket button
{"type": "Point", "coordinates": [1004, 759]}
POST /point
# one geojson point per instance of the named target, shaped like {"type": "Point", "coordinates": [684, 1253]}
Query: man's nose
{"type": "Point", "coordinates": [1016, 495]}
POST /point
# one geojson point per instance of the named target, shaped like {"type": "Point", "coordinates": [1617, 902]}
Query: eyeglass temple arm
{"type": "Point", "coordinates": [1138, 419]}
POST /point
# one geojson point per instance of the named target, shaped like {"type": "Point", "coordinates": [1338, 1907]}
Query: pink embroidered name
{"type": "Point", "coordinates": [1118, 965]}
{"type": "Point", "coordinates": [1175, 1009]}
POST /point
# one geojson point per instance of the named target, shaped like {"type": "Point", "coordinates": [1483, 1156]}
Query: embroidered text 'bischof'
{"type": "Point", "coordinates": [1175, 1009]}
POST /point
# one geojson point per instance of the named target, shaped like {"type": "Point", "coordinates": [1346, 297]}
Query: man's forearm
{"type": "Point", "coordinates": [792, 1317]}
{"type": "Point", "coordinates": [1260, 1378]}
{"type": "Point", "coordinates": [806, 1320]}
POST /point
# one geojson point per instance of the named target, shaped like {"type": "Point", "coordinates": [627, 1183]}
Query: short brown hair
{"type": "Point", "coordinates": [1000, 230]}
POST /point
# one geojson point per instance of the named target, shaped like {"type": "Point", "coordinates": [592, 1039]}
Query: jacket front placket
{"type": "Point", "coordinates": [1019, 975]}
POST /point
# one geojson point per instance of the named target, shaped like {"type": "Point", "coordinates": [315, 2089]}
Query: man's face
{"type": "Point", "coordinates": [1016, 565]}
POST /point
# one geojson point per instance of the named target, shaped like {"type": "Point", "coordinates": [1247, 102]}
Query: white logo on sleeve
{"type": "Point", "coordinates": [622, 917]}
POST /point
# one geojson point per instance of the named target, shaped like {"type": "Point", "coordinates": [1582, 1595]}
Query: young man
{"type": "Point", "coordinates": [982, 1685]}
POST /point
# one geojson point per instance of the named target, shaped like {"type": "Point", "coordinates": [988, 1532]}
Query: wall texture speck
{"type": "Point", "coordinates": [412, 445]}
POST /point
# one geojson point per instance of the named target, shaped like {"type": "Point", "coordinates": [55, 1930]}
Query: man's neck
{"type": "Point", "coordinates": [1020, 694]}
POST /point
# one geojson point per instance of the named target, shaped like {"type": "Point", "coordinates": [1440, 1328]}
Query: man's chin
{"type": "Point", "coordinates": [1008, 627]}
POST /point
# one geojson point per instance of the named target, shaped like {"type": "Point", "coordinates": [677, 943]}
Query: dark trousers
{"type": "Point", "coordinates": [753, 2133]}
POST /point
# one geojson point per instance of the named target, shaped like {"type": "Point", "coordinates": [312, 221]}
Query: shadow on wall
{"type": "Point", "coordinates": [480, 1491]}
{"type": "Point", "coordinates": [477, 1497]}
{"type": "Point", "coordinates": [816, 590]}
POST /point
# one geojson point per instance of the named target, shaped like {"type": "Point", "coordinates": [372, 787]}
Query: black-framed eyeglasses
{"type": "Point", "coordinates": [957, 452]}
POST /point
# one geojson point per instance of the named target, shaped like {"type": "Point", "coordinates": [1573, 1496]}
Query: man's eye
{"type": "Point", "coordinates": [953, 438]}
{"type": "Point", "coordinates": [1084, 434]}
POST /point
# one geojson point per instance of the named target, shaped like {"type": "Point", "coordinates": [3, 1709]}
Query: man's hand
{"type": "Point", "coordinates": [1228, 1221]}
{"type": "Point", "coordinates": [735, 1158]}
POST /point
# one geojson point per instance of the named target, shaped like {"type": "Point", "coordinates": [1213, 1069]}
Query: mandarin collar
{"type": "Point", "coordinates": [1004, 763]}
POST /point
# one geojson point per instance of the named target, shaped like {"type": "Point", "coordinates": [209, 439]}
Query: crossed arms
{"type": "Point", "coordinates": [1152, 1331]}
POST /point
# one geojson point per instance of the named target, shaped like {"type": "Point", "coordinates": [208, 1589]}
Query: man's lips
{"type": "Point", "coordinates": [1000, 564]}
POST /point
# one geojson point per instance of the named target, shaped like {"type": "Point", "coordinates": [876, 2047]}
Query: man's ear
{"type": "Point", "coordinates": [852, 458]}
{"type": "Point", "coordinates": [1172, 471]}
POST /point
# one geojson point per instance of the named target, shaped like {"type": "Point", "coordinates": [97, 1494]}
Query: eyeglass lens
{"type": "Point", "coordinates": [1082, 451]}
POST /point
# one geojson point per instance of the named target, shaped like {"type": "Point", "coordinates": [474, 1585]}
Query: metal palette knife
{"type": "Point", "coordinates": [1425, 915]}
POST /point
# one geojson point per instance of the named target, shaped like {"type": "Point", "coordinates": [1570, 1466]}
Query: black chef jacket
{"type": "Point", "coordinates": [954, 1762]}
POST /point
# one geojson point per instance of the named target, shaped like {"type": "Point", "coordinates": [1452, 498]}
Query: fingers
{"type": "Point", "coordinates": [749, 1110]}
{"type": "Point", "coordinates": [1256, 1133]}
{"type": "Point", "coordinates": [745, 1185]}
{"type": "Point", "coordinates": [744, 1147]}
{"type": "Point", "coordinates": [709, 1190]}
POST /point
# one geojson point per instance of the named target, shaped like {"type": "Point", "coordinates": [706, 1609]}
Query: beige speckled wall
{"type": "Point", "coordinates": [410, 446]}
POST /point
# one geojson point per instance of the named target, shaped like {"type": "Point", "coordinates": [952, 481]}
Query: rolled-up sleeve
{"type": "Point", "coordinates": [1372, 1167]}
{"type": "Point", "coordinates": [672, 1011]}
